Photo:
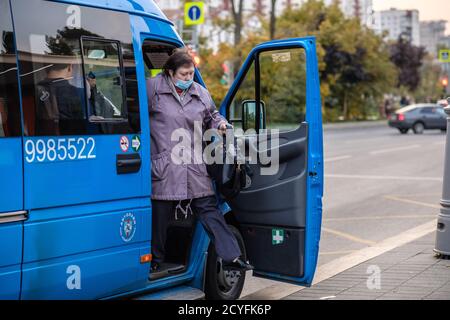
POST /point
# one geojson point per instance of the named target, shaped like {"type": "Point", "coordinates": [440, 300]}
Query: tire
{"type": "Point", "coordinates": [403, 131]}
{"type": "Point", "coordinates": [418, 128]}
{"type": "Point", "coordinates": [221, 284]}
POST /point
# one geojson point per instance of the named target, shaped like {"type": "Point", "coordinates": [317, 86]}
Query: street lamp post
{"type": "Point", "coordinates": [443, 228]}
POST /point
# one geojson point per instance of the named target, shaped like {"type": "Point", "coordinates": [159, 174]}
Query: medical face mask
{"type": "Point", "coordinates": [184, 85]}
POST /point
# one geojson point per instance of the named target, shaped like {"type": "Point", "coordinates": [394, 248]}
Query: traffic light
{"type": "Point", "coordinates": [444, 83]}
{"type": "Point", "coordinates": [226, 78]}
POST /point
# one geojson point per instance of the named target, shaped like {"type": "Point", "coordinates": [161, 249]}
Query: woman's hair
{"type": "Point", "coordinates": [178, 59]}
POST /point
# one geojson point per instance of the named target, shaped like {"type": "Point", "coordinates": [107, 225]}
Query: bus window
{"type": "Point", "coordinates": [51, 74]}
{"type": "Point", "coordinates": [104, 80]}
{"type": "Point", "coordinates": [55, 88]}
{"type": "Point", "coordinates": [155, 56]}
{"type": "Point", "coordinates": [9, 93]}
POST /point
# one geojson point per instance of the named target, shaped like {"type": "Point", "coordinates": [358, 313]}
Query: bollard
{"type": "Point", "coordinates": [442, 248]}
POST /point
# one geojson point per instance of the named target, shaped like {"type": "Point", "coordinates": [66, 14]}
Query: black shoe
{"type": "Point", "coordinates": [155, 267]}
{"type": "Point", "coordinates": [240, 265]}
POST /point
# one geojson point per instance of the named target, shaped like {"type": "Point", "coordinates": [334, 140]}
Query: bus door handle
{"type": "Point", "coordinates": [128, 163]}
{"type": "Point", "coordinates": [11, 217]}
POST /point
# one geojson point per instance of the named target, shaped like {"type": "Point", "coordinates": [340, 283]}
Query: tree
{"type": "Point", "coordinates": [237, 13]}
{"type": "Point", "coordinates": [408, 59]}
{"type": "Point", "coordinates": [354, 63]}
{"type": "Point", "coordinates": [66, 41]}
{"type": "Point", "coordinates": [212, 70]}
{"type": "Point", "coordinates": [430, 88]}
{"type": "Point", "coordinates": [273, 19]}
{"type": "Point", "coordinates": [7, 42]}
{"type": "Point", "coordinates": [351, 68]}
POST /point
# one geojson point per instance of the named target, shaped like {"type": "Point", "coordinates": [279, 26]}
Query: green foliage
{"type": "Point", "coordinates": [408, 59]}
{"type": "Point", "coordinates": [429, 88]}
{"type": "Point", "coordinates": [354, 64]}
{"type": "Point", "coordinates": [283, 85]}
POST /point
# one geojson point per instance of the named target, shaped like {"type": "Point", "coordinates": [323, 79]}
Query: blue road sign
{"type": "Point", "coordinates": [194, 13]}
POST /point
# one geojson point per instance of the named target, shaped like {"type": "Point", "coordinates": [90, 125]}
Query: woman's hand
{"type": "Point", "coordinates": [223, 127]}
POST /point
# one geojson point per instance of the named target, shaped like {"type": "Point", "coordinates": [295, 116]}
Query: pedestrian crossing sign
{"type": "Point", "coordinates": [194, 13]}
{"type": "Point", "coordinates": [444, 55]}
{"type": "Point", "coordinates": [277, 236]}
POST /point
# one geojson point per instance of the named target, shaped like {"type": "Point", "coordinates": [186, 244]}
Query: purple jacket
{"type": "Point", "coordinates": [169, 112]}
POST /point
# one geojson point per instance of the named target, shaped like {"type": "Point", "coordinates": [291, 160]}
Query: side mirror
{"type": "Point", "coordinates": [249, 115]}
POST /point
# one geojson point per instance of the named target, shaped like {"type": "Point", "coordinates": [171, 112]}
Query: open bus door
{"type": "Point", "coordinates": [280, 209]}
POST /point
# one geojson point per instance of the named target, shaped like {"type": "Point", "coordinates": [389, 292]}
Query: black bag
{"type": "Point", "coordinates": [230, 178]}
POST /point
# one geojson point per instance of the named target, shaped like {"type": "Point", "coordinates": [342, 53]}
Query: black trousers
{"type": "Point", "coordinates": [207, 211]}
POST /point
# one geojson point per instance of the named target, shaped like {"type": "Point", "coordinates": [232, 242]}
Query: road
{"type": "Point", "coordinates": [378, 184]}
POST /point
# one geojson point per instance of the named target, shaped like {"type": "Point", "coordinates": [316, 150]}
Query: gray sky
{"type": "Point", "coordinates": [429, 9]}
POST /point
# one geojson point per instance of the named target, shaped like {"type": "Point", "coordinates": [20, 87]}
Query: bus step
{"type": "Point", "coordinates": [167, 269]}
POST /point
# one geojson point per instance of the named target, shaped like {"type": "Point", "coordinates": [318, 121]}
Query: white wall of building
{"type": "Point", "coordinates": [398, 22]}
{"type": "Point", "coordinates": [168, 4]}
{"type": "Point", "coordinates": [349, 7]}
{"type": "Point", "coordinates": [432, 34]}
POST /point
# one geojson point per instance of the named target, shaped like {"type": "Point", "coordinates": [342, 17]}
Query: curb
{"type": "Point", "coordinates": [355, 125]}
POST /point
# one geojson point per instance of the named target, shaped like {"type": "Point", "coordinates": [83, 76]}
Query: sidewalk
{"type": "Point", "coordinates": [409, 272]}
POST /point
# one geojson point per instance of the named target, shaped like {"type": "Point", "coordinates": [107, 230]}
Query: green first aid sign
{"type": "Point", "coordinates": [277, 236]}
{"type": "Point", "coordinates": [444, 55]}
{"type": "Point", "coordinates": [194, 13]}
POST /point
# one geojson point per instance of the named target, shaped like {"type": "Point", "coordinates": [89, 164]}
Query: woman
{"type": "Point", "coordinates": [178, 106]}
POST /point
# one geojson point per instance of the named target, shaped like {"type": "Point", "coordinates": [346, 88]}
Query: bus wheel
{"type": "Point", "coordinates": [222, 283]}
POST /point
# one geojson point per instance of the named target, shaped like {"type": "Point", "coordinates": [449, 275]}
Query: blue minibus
{"type": "Point", "coordinates": [75, 187]}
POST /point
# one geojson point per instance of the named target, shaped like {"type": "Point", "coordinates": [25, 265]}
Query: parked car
{"type": "Point", "coordinates": [419, 117]}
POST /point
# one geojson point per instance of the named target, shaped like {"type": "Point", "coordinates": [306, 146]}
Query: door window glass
{"type": "Point", "coordinates": [279, 82]}
{"type": "Point", "coordinates": [427, 111]}
{"type": "Point", "coordinates": [441, 112]}
{"type": "Point", "coordinates": [283, 88]}
{"type": "Point", "coordinates": [104, 82]}
{"type": "Point", "coordinates": [9, 93]}
{"type": "Point", "coordinates": [245, 94]}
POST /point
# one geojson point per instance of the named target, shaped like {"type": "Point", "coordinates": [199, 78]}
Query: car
{"type": "Point", "coordinates": [419, 117]}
